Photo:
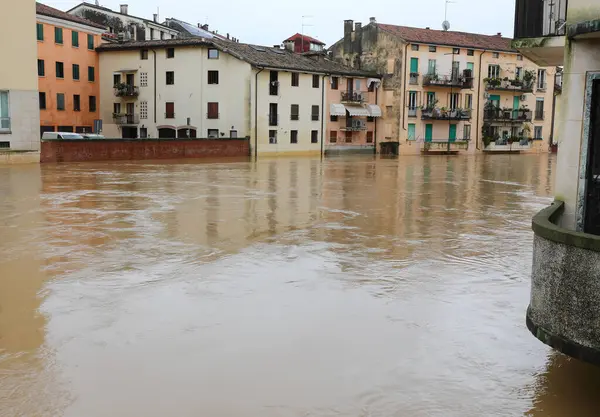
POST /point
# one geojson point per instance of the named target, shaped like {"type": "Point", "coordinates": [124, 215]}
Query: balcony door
{"type": "Point", "coordinates": [592, 198]}
{"type": "Point", "coordinates": [130, 79]}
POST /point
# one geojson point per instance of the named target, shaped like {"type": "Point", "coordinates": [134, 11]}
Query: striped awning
{"type": "Point", "coordinates": [337, 110]}
{"type": "Point", "coordinates": [357, 111]}
{"type": "Point", "coordinates": [374, 110]}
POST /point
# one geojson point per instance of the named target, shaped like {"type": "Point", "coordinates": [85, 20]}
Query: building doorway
{"type": "Point", "coordinates": [592, 195]}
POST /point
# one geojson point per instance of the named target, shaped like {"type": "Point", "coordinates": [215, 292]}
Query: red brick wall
{"type": "Point", "coordinates": [79, 150]}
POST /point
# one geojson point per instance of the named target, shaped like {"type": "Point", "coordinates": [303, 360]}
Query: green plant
{"type": "Point", "coordinates": [493, 81]}
{"type": "Point", "coordinates": [528, 78]}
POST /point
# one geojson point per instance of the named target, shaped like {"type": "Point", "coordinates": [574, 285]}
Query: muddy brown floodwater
{"type": "Point", "coordinates": [289, 287]}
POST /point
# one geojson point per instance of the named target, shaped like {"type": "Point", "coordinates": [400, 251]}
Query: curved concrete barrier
{"type": "Point", "coordinates": [564, 312]}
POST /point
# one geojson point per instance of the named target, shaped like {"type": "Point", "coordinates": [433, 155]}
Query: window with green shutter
{"type": "Point", "coordinates": [75, 71]}
{"type": "Point", "coordinates": [414, 65]}
{"type": "Point", "coordinates": [75, 39]}
{"type": "Point", "coordinates": [41, 68]}
{"type": "Point", "coordinates": [40, 31]}
{"type": "Point", "coordinates": [90, 39]}
{"type": "Point", "coordinates": [412, 131]}
{"type": "Point", "coordinates": [60, 101]}
{"type": "Point", "coordinates": [58, 35]}
{"type": "Point", "coordinates": [91, 74]}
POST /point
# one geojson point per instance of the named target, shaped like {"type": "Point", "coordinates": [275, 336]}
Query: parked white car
{"type": "Point", "coordinates": [61, 135]}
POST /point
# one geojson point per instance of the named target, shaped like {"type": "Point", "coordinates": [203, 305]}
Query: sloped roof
{"type": "Point", "coordinates": [106, 9]}
{"type": "Point", "coordinates": [449, 38]}
{"type": "Point", "coordinates": [256, 55]}
{"type": "Point", "coordinates": [264, 56]}
{"type": "Point", "coordinates": [166, 43]}
{"type": "Point", "coordinates": [44, 10]}
{"type": "Point", "coordinates": [192, 30]}
{"type": "Point", "coordinates": [306, 38]}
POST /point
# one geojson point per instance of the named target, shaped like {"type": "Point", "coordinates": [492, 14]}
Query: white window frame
{"type": "Point", "coordinates": [538, 129]}
{"type": "Point", "coordinates": [4, 119]}
{"type": "Point", "coordinates": [454, 101]}
{"type": "Point", "coordinates": [541, 82]}
{"type": "Point", "coordinates": [494, 71]}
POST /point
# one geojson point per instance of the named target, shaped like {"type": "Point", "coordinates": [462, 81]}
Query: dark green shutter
{"type": "Point", "coordinates": [90, 42]}
{"type": "Point", "coordinates": [75, 38]}
{"type": "Point", "coordinates": [414, 65]}
{"type": "Point", "coordinates": [91, 75]}
{"type": "Point", "coordinates": [75, 71]}
{"type": "Point", "coordinates": [58, 35]}
{"type": "Point", "coordinates": [40, 31]}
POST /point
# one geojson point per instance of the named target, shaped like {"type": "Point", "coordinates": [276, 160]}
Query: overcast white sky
{"type": "Point", "coordinates": [268, 22]}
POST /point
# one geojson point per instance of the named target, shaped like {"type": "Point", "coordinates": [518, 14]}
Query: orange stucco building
{"type": "Point", "coordinates": [68, 71]}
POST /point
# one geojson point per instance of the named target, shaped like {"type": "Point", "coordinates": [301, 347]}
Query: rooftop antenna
{"type": "Point", "coordinates": [446, 23]}
{"type": "Point", "coordinates": [303, 26]}
{"type": "Point", "coordinates": [97, 2]}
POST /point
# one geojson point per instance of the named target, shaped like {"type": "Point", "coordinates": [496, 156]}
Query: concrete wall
{"type": "Point", "coordinates": [19, 76]}
{"type": "Point", "coordinates": [138, 149]}
{"type": "Point", "coordinates": [305, 96]}
{"type": "Point", "coordinates": [191, 92]}
{"type": "Point", "coordinates": [51, 52]}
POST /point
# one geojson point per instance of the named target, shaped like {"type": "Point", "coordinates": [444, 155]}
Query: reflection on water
{"type": "Point", "coordinates": [288, 287]}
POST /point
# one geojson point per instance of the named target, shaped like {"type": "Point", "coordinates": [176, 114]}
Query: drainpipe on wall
{"type": "Point", "coordinates": [553, 118]}
{"type": "Point", "coordinates": [375, 128]}
{"type": "Point", "coordinates": [477, 129]}
{"type": "Point", "coordinates": [404, 91]}
{"type": "Point", "coordinates": [155, 99]}
{"type": "Point", "coordinates": [323, 112]}
{"type": "Point", "coordinates": [256, 114]}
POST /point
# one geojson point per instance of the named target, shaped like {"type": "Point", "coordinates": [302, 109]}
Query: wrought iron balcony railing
{"type": "Point", "coordinates": [353, 96]}
{"type": "Point", "coordinates": [538, 18]}
{"type": "Point", "coordinates": [126, 119]}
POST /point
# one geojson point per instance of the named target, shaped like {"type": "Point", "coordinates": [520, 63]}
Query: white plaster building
{"type": "Point", "coordinates": [213, 88]}
{"type": "Point", "coordinates": [19, 107]}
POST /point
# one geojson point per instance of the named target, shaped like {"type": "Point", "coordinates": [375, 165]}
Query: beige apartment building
{"type": "Point", "coordinates": [210, 88]}
{"type": "Point", "coordinates": [453, 91]}
{"type": "Point", "coordinates": [19, 113]}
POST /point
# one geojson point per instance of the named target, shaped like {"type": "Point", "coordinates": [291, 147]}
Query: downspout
{"type": "Point", "coordinates": [477, 129]}
{"type": "Point", "coordinates": [553, 119]}
{"type": "Point", "coordinates": [323, 113]}
{"type": "Point", "coordinates": [256, 113]}
{"type": "Point", "coordinates": [155, 99]}
{"type": "Point", "coordinates": [404, 91]}
{"type": "Point", "coordinates": [375, 119]}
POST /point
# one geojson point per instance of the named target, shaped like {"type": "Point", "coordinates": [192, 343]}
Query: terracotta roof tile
{"type": "Point", "coordinates": [59, 14]}
{"type": "Point", "coordinates": [449, 38]}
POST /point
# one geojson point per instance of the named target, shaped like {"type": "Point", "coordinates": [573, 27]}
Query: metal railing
{"type": "Point", "coordinates": [452, 81]}
{"type": "Point", "coordinates": [540, 115]}
{"type": "Point", "coordinates": [412, 112]}
{"type": "Point", "coordinates": [353, 125]}
{"type": "Point", "coordinates": [509, 85]}
{"type": "Point", "coordinates": [443, 114]}
{"type": "Point", "coordinates": [414, 78]}
{"type": "Point", "coordinates": [537, 18]}
{"type": "Point", "coordinates": [126, 90]}
{"type": "Point", "coordinates": [169, 115]}
{"type": "Point", "coordinates": [126, 119]}
{"type": "Point", "coordinates": [507, 115]}
{"type": "Point", "coordinates": [274, 88]}
{"type": "Point", "coordinates": [4, 124]}
{"type": "Point", "coordinates": [273, 119]}
{"type": "Point", "coordinates": [353, 96]}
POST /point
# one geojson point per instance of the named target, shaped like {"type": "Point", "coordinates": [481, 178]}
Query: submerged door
{"type": "Point", "coordinates": [452, 133]}
{"type": "Point", "coordinates": [428, 132]}
{"type": "Point", "coordinates": [592, 200]}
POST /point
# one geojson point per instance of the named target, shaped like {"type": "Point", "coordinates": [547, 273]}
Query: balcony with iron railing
{"type": "Point", "coordinates": [540, 18]}
{"type": "Point", "coordinates": [445, 114]}
{"type": "Point", "coordinates": [354, 125]}
{"type": "Point", "coordinates": [414, 78]}
{"type": "Point", "coordinates": [126, 90]}
{"type": "Point", "coordinates": [126, 119]}
{"type": "Point", "coordinates": [353, 96]}
{"type": "Point", "coordinates": [507, 115]}
{"type": "Point", "coordinates": [274, 88]}
{"type": "Point", "coordinates": [450, 81]}
{"type": "Point", "coordinates": [516, 84]}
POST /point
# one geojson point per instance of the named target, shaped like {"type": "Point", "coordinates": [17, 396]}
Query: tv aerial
{"type": "Point", "coordinates": [446, 23]}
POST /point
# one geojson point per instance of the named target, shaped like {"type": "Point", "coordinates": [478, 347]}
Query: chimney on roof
{"type": "Point", "coordinates": [155, 17]}
{"type": "Point", "coordinates": [357, 26]}
{"type": "Point", "coordinates": [372, 20]}
{"type": "Point", "coordinates": [205, 26]}
{"type": "Point", "coordinates": [499, 34]}
{"type": "Point", "coordinates": [124, 8]}
{"type": "Point", "coordinates": [228, 36]}
{"type": "Point", "coordinates": [348, 26]}
{"type": "Point", "coordinates": [428, 28]}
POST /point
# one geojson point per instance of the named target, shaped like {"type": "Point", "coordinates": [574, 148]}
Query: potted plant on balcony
{"type": "Point", "coordinates": [444, 112]}
{"type": "Point", "coordinates": [493, 82]}
{"type": "Point", "coordinates": [528, 78]}
{"type": "Point", "coordinates": [121, 89]}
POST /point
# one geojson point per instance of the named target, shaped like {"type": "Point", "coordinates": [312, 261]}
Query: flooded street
{"type": "Point", "coordinates": [282, 288]}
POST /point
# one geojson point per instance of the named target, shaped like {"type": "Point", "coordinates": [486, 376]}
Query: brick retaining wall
{"type": "Point", "coordinates": [80, 150]}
